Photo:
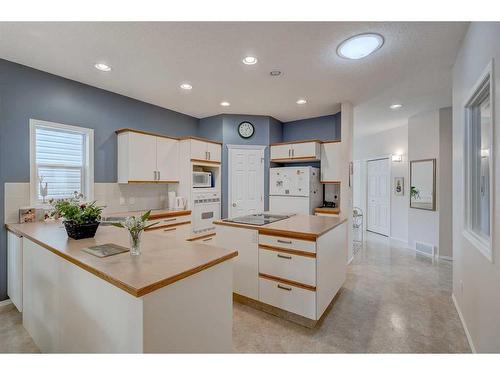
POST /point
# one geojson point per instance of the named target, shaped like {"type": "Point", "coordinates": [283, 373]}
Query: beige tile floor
{"type": "Point", "coordinates": [393, 301]}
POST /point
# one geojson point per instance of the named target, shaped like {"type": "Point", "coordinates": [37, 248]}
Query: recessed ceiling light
{"type": "Point", "coordinates": [225, 104]}
{"type": "Point", "coordinates": [250, 60]}
{"type": "Point", "coordinates": [103, 67]}
{"type": "Point", "coordinates": [186, 86]}
{"type": "Point", "coordinates": [275, 73]}
{"type": "Point", "coordinates": [395, 106]}
{"type": "Point", "coordinates": [301, 101]}
{"type": "Point", "coordinates": [360, 46]}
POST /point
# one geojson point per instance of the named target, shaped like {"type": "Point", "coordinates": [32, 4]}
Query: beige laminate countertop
{"type": "Point", "coordinates": [163, 260]}
{"type": "Point", "coordinates": [306, 227]}
{"type": "Point", "coordinates": [155, 214]}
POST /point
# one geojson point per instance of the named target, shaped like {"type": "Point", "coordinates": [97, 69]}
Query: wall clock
{"type": "Point", "coordinates": [246, 129]}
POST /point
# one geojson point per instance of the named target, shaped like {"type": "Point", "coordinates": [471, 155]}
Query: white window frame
{"type": "Point", "coordinates": [483, 245]}
{"type": "Point", "coordinates": [88, 170]}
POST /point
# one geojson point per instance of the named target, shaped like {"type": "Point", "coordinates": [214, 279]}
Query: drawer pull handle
{"type": "Point", "coordinates": [167, 220]}
{"type": "Point", "coordinates": [284, 287]}
{"type": "Point", "coordinates": [287, 242]}
{"type": "Point", "coordinates": [208, 239]}
{"type": "Point", "coordinates": [284, 256]}
{"type": "Point", "coordinates": [169, 229]}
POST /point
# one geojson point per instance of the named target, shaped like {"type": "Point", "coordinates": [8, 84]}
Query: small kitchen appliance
{"type": "Point", "coordinates": [202, 179]}
{"type": "Point", "coordinates": [206, 209]}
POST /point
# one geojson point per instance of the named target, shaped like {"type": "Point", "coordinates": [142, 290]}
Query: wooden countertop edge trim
{"type": "Point", "coordinates": [326, 210]}
{"type": "Point", "coordinates": [169, 214]}
{"type": "Point", "coordinates": [201, 139]}
{"type": "Point", "coordinates": [125, 130]}
{"type": "Point", "coordinates": [208, 235]}
{"type": "Point", "coordinates": [296, 159]}
{"type": "Point", "coordinates": [236, 225]}
{"type": "Point", "coordinates": [153, 182]}
{"type": "Point", "coordinates": [288, 251]}
{"type": "Point", "coordinates": [306, 141]}
{"type": "Point", "coordinates": [170, 280]}
{"type": "Point", "coordinates": [152, 229]}
{"type": "Point", "coordinates": [289, 282]}
{"type": "Point", "coordinates": [127, 288]}
{"type": "Point", "coordinates": [205, 161]}
{"type": "Point", "coordinates": [289, 234]}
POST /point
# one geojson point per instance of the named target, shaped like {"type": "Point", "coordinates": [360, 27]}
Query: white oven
{"type": "Point", "coordinates": [202, 179]}
{"type": "Point", "coordinates": [206, 209]}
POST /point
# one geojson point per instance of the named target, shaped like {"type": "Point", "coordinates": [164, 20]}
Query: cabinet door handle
{"type": "Point", "coordinates": [169, 229]}
{"type": "Point", "coordinates": [208, 239]}
{"type": "Point", "coordinates": [167, 220]}
{"type": "Point", "coordinates": [159, 175]}
{"type": "Point", "coordinates": [284, 287]}
{"type": "Point", "coordinates": [209, 156]}
{"type": "Point", "coordinates": [155, 175]}
{"type": "Point", "coordinates": [289, 154]}
{"type": "Point", "coordinates": [287, 242]}
{"type": "Point", "coordinates": [293, 152]}
{"type": "Point", "coordinates": [284, 256]}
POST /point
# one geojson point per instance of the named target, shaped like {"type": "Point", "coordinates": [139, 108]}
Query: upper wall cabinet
{"type": "Point", "coordinates": [331, 162]}
{"type": "Point", "coordinates": [294, 152]}
{"type": "Point", "coordinates": [145, 157]}
{"type": "Point", "coordinates": [205, 150]}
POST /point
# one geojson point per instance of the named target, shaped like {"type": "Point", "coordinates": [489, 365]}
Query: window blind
{"type": "Point", "coordinates": [60, 161]}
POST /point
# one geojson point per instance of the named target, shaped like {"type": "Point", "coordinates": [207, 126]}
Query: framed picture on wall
{"type": "Point", "coordinates": [399, 186]}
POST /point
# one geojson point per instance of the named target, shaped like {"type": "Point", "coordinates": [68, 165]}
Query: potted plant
{"type": "Point", "coordinates": [80, 219]}
{"type": "Point", "coordinates": [135, 226]}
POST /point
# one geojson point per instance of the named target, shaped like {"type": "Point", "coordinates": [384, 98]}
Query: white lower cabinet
{"type": "Point", "coordinates": [301, 269]}
{"type": "Point", "coordinates": [180, 231]}
{"type": "Point", "coordinates": [288, 297]}
{"type": "Point", "coordinates": [15, 269]}
{"type": "Point", "coordinates": [288, 243]}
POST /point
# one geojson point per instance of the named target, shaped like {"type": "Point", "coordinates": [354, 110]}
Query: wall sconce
{"type": "Point", "coordinates": [398, 158]}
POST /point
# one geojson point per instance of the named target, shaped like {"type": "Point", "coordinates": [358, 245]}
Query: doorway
{"type": "Point", "coordinates": [378, 196]}
{"type": "Point", "coordinates": [246, 180]}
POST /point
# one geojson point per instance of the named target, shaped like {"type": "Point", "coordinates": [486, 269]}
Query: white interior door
{"type": "Point", "coordinates": [246, 181]}
{"type": "Point", "coordinates": [378, 196]}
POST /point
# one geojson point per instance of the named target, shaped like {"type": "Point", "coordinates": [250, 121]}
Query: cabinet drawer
{"type": "Point", "coordinates": [298, 268]}
{"type": "Point", "coordinates": [209, 240]}
{"type": "Point", "coordinates": [288, 297]}
{"type": "Point", "coordinates": [287, 243]}
{"type": "Point", "coordinates": [181, 231]}
{"type": "Point", "coordinates": [168, 221]}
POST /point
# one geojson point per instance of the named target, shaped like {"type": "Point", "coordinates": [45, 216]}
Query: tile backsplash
{"type": "Point", "coordinates": [115, 197]}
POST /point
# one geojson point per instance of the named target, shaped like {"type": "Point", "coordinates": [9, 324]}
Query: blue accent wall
{"type": "Point", "coordinates": [324, 128]}
{"type": "Point", "coordinates": [28, 93]}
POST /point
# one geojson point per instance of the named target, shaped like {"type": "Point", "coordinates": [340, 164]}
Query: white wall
{"type": "Point", "coordinates": [476, 280]}
{"type": "Point", "coordinates": [423, 143]}
{"type": "Point", "coordinates": [394, 141]}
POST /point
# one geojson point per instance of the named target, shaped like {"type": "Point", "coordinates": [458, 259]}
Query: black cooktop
{"type": "Point", "coordinates": [257, 219]}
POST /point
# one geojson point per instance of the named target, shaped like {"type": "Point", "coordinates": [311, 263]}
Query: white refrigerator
{"type": "Point", "coordinates": [294, 190]}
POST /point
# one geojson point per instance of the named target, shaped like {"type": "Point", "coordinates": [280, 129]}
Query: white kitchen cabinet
{"type": "Point", "coordinates": [147, 158]}
{"type": "Point", "coordinates": [205, 151]}
{"type": "Point", "coordinates": [331, 162]}
{"type": "Point", "coordinates": [15, 269]}
{"type": "Point", "coordinates": [291, 152]}
{"type": "Point", "coordinates": [167, 154]}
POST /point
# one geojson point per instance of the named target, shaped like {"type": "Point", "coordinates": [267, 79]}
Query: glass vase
{"type": "Point", "coordinates": [135, 243]}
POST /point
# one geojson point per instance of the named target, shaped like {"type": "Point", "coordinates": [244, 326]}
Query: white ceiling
{"type": "Point", "coordinates": [150, 60]}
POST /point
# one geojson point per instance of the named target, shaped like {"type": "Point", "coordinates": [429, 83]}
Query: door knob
{"type": "Point", "coordinates": [234, 204]}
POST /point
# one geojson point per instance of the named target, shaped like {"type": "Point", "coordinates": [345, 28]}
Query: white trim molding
{"type": "Point", "coordinates": [467, 333]}
{"type": "Point", "coordinates": [246, 147]}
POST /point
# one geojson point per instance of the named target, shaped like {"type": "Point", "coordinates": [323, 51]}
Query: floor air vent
{"type": "Point", "coordinates": [425, 248]}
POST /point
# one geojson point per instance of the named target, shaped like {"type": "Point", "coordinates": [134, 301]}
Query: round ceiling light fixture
{"type": "Point", "coordinates": [225, 104]}
{"type": "Point", "coordinates": [102, 67]}
{"type": "Point", "coordinates": [395, 106]}
{"type": "Point", "coordinates": [301, 101]}
{"type": "Point", "coordinates": [275, 73]}
{"type": "Point", "coordinates": [186, 86]}
{"type": "Point", "coordinates": [360, 46]}
{"type": "Point", "coordinates": [250, 60]}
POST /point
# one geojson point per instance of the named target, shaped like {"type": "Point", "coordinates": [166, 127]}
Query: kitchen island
{"type": "Point", "coordinates": [293, 267]}
{"type": "Point", "coordinates": [175, 297]}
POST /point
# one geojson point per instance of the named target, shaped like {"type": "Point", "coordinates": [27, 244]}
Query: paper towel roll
{"type": "Point", "coordinates": [171, 200]}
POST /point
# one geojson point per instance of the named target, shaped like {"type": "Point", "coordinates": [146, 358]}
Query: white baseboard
{"type": "Point", "coordinates": [469, 338]}
{"type": "Point", "coordinates": [5, 303]}
{"type": "Point", "coordinates": [446, 258]}
{"type": "Point", "coordinates": [404, 242]}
